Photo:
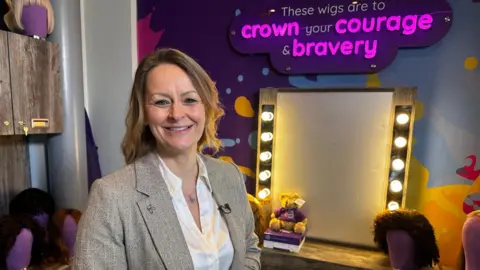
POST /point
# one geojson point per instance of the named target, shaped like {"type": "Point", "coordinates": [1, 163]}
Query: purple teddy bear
{"type": "Point", "coordinates": [289, 217]}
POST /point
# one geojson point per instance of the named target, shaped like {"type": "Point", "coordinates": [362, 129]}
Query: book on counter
{"type": "Point", "coordinates": [283, 240]}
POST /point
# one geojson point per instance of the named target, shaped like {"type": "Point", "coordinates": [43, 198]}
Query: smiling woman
{"type": "Point", "coordinates": [155, 201]}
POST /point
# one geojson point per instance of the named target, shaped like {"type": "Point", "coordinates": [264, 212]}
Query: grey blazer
{"type": "Point", "coordinates": [130, 221]}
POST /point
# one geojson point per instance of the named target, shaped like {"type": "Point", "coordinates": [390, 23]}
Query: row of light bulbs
{"type": "Point", "coordinates": [265, 156]}
{"type": "Point", "coordinates": [398, 164]}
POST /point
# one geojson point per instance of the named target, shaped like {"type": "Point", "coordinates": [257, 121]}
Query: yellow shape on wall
{"type": "Point", "coordinates": [419, 109]}
{"type": "Point", "coordinates": [443, 208]}
{"type": "Point", "coordinates": [373, 80]}
{"type": "Point", "coordinates": [417, 184]}
{"type": "Point", "coordinates": [243, 107]}
{"type": "Point", "coordinates": [247, 171]}
{"type": "Point", "coordinates": [470, 63]}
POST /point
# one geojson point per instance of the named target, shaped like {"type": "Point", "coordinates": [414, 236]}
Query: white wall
{"type": "Point", "coordinates": [109, 40]}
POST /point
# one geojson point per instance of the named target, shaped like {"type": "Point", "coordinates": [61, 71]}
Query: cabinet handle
{"type": "Point", "coordinates": [25, 129]}
{"type": "Point", "coordinates": [6, 123]}
{"type": "Point", "coordinates": [20, 123]}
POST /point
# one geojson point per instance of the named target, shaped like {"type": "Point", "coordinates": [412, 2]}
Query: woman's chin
{"type": "Point", "coordinates": [180, 148]}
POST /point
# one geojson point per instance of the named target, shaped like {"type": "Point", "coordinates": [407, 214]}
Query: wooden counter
{"type": "Point", "coordinates": [326, 256]}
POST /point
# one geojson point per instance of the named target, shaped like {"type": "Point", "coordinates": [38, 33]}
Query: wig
{"type": "Point", "coordinates": [35, 202]}
{"type": "Point", "coordinates": [10, 227]}
{"type": "Point", "coordinates": [461, 259]}
{"type": "Point", "coordinates": [260, 220]}
{"type": "Point", "coordinates": [13, 19]}
{"type": "Point", "coordinates": [419, 229]}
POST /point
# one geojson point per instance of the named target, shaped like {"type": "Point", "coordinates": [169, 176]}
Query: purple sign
{"type": "Point", "coordinates": [341, 36]}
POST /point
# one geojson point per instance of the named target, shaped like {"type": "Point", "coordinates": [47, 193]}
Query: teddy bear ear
{"type": "Point", "coordinates": [283, 196]}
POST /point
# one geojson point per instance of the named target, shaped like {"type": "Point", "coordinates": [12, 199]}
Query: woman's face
{"type": "Point", "coordinates": [174, 111]}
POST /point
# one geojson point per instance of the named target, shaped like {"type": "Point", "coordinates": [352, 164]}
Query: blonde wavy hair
{"type": "Point", "coordinates": [13, 18]}
{"type": "Point", "coordinates": [138, 139]}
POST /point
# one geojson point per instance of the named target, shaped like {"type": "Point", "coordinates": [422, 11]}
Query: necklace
{"type": "Point", "coordinates": [191, 198]}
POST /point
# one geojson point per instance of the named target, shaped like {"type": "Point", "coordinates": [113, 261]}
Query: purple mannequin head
{"type": "Point", "coordinates": [67, 221]}
{"type": "Point", "coordinates": [21, 242]}
{"type": "Point", "coordinates": [471, 241]}
{"type": "Point", "coordinates": [407, 237]}
{"type": "Point", "coordinates": [401, 249]}
{"type": "Point", "coordinates": [30, 17]}
{"type": "Point", "coordinates": [20, 254]}
{"type": "Point", "coordinates": [69, 233]}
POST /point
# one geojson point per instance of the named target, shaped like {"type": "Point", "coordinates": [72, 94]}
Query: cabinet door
{"type": "Point", "coordinates": [35, 84]}
{"type": "Point", "coordinates": [6, 114]}
{"type": "Point", "coordinates": [14, 169]}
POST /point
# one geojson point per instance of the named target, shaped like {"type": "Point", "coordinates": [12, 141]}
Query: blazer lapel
{"type": "Point", "coordinates": [159, 215]}
{"type": "Point", "coordinates": [220, 194]}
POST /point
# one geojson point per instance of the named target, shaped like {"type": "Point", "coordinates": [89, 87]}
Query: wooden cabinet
{"type": "Point", "coordinates": [6, 113]}
{"type": "Point", "coordinates": [30, 94]}
{"type": "Point", "coordinates": [14, 169]}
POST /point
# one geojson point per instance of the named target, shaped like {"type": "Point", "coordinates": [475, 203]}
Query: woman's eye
{"type": "Point", "coordinates": [190, 100]}
{"type": "Point", "coordinates": [161, 102]}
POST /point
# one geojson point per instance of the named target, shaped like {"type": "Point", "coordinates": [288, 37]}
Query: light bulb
{"type": "Point", "coordinates": [266, 136]}
{"type": "Point", "coordinates": [264, 193]}
{"type": "Point", "coordinates": [400, 142]}
{"type": "Point", "coordinates": [267, 116]}
{"type": "Point", "coordinates": [398, 164]}
{"type": "Point", "coordinates": [264, 175]}
{"type": "Point", "coordinates": [392, 206]}
{"type": "Point", "coordinates": [396, 186]}
{"type": "Point", "coordinates": [264, 156]}
{"type": "Point", "coordinates": [402, 118]}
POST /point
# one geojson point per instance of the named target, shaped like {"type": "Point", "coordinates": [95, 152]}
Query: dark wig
{"type": "Point", "coordinates": [417, 226]}
{"type": "Point", "coordinates": [10, 227]}
{"type": "Point", "coordinates": [32, 201]}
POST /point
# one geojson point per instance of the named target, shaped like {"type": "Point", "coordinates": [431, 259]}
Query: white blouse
{"type": "Point", "coordinates": [211, 248]}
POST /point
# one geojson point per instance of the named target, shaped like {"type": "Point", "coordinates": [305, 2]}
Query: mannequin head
{"type": "Point", "coordinates": [21, 242]}
{"type": "Point", "coordinates": [406, 235]}
{"type": "Point", "coordinates": [67, 221]}
{"type": "Point", "coordinates": [401, 249]}
{"type": "Point", "coordinates": [471, 242]}
{"type": "Point", "coordinates": [40, 206]}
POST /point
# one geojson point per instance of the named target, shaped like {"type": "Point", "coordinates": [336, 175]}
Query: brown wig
{"type": "Point", "coordinates": [138, 139]}
{"type": "Point", "coordinates": [10, 227]}
{"type": "Point", "coordinates": [417, 226]}
{"type": "Point", "coordinates": [61, 214]}
{"type": "Point", "coordinates": [260, 220]}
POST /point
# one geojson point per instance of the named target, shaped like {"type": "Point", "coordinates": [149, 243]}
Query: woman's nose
{"type": "Point", "coordinates": [177, 111]}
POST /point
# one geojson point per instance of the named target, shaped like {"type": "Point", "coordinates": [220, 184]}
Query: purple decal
{"type": "Point", "coordinates": [315, 37]}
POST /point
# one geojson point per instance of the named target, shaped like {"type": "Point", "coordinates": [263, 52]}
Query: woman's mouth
{"type": "Point", "coordinates": [178, 129]}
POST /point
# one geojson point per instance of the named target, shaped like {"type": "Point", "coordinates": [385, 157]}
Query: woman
{"type": "Point", "coordinates": [170, 207]}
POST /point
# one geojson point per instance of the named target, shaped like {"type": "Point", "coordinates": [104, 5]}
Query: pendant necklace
{"type": "Point", "coordinates": [191, 198]}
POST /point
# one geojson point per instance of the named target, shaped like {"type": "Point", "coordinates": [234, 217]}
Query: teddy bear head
{"type": "Point", "coordinates": [288, 200]}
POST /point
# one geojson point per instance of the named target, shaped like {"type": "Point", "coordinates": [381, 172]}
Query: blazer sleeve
{"type": "Point", "coordinates": [252, 253]}
{"type": "Point", "coordinates": [99, 242]}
